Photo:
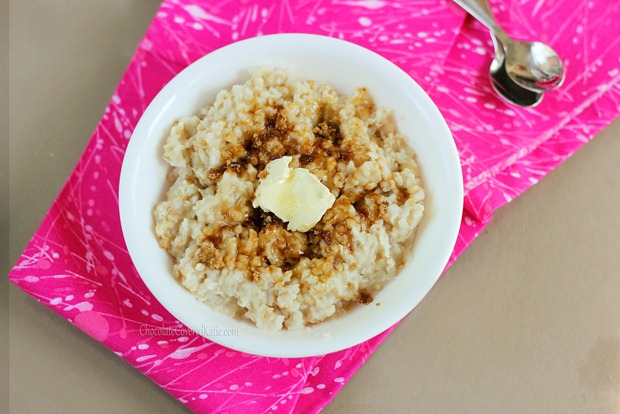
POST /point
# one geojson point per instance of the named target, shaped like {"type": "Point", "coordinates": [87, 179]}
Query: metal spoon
{"type": "Point", "coordinates": [505, 86]}
{"type": "Point", "coordinates": [531, 65]}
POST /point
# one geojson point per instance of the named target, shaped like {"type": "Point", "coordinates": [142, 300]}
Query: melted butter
{"type": "Point", "coordinates": [295, 195]}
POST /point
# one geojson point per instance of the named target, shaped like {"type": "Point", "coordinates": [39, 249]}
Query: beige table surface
{"type": "Point", "coordinates": [526, 321]}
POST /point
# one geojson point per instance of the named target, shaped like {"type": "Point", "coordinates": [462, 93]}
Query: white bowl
{"type": "Point", "coordinates": [344, 66]}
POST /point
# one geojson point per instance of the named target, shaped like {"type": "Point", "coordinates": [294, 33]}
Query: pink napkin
{"type": "Point", "coordinates": [77, 263]}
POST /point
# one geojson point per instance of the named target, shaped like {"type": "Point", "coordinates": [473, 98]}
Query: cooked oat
{"type": "Point", "coordinates": [243, 261]}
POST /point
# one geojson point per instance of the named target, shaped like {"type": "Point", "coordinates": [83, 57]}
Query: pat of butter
{"type": "Point", "coordinates": [295, 195]}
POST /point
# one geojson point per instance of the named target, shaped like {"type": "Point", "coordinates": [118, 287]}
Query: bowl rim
{"type": "Point", "coordinates": [260, 345]}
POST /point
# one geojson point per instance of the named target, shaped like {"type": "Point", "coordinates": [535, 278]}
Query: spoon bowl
{"type": "Point", "coordinates": [533, 65]}
{"type": "Point", "coordinates": [505, 86]}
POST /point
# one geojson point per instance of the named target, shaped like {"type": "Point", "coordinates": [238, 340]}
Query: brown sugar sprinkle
{"type": "Point", "coordinates": [215, 174]}
{"type": "Point", "coordinates": [209, 256]}
{"type": "Point", "coordinates": [328, 130]}
{"type": "Point", "coordinates": [315, 236]}
{"type": "Point", "coordinates": [215, 238]}
{"type": "Point", "coordinates": [256, 276]}
{"type": "Point", "coordinates": [289, 264]}
{"type": "Point", "coordinates": [308, 154]}
{"type": "Point", "coordinates": [364, 297]}
{"type": "Point", "coordinates": [327, 237]}
{"type": "Point", "coordinates": [259, 219]}
{"type": "Point", "coordinates": [331, 142]}
{"type": "Point", "coordinates": [402, 196]}
{"type": "Point", "coordinates": [370, 206]}
{"type": "Point", "coordinates": [345, 155]}
{"type": "Point", "coordinates": [271, 142]}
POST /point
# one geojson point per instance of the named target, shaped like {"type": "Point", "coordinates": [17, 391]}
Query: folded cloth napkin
{"type": "Point", "coordinates": [77, 263]}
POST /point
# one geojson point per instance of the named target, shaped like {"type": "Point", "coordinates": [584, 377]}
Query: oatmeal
{"type": "Point", "coordinates": [239, 257]}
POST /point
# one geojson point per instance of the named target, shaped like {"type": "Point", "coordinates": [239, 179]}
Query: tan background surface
{"type": "Point", "coordinates": [526, 321]}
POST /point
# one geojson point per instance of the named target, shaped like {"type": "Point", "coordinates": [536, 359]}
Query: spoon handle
{"type": "Point", "coordinates": [481, 11]}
